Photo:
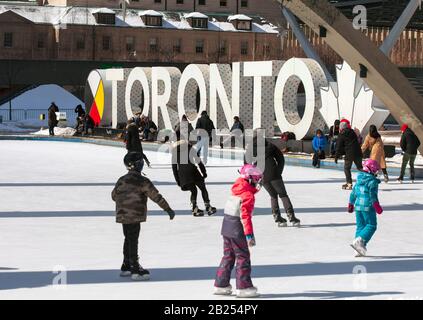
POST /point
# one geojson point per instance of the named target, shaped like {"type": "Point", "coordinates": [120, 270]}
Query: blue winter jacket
{"type": "Point", "coordinates": [364, 193]}
{"type": "Point", "coordinates": [319, 143]}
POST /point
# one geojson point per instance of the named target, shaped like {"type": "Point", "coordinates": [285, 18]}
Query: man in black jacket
{"type": "Point", "coordinates": [348, 145]}
{"type": "Point", "coordinates": [409, 144]}
{"type": "Point", "coordinates": [184, 166]}
{"type": "Point", "coordinates": [272, 167]}
{"type": "Point", "coordinates": [133, 141]}
{"type": "Point", "coordinates": [206, 124]}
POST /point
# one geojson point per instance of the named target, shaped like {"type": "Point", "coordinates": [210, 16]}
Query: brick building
{"type": "Point", "coordinates": [100, 34]}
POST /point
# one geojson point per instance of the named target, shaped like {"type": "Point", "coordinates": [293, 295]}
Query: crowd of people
{"type": "Point", "coordinates": [189, 170]}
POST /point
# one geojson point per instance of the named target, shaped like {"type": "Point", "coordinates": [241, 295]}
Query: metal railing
{"type": "Point", "coordinates": [32, 114]}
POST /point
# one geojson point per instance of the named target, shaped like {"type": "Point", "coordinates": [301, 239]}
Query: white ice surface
{"type": "Point", "coordinates": [56, 210]}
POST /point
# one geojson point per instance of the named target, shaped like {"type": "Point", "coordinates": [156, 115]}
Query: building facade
{"type": "Point", "coordinates": [80, 33]}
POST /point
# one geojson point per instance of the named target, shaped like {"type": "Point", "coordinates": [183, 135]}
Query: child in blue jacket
{"type": "Point", "coordinates": [365, 201]}
{"type": "Point", "coordinates": [319, 146]}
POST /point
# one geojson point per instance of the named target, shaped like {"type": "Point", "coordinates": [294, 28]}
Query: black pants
{"type": "Point", "coordinates": [130, 246]}
{"type": "Point", "coordinates": [277, 188]}
{"type": "Point", "coordinates": [317, 156]}
{"type": "Point", "coordinates": [204, 193]}
{"type": "Point", "coordinates": [348, 165]}
{"type": "Point", "coordinates": [51, 130]}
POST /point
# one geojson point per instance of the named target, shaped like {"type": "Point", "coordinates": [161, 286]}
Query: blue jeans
{"type": "Point", "coordinates": [366, 224]}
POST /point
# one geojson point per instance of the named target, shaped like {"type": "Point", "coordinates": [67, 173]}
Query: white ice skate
{"type": "Point", "coordinates": [359, 246]}
{"type": "Point", "coordinates": [140, 277]}
{"type": "Point", "coordinates": [247, 293]}
{"type": "Point", "coordinates": [227, 291]}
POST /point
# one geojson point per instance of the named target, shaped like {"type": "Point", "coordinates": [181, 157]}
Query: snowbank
{"type": "Point", "coordinates": [41, 98]}
{"type": "Point", "coordinates": [57, 131]}
{"type": "Point", "coordinates": [12, 128]}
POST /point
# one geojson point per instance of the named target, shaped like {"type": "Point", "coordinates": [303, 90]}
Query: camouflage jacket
{"type": "Point", "coordinates": [130, 194]}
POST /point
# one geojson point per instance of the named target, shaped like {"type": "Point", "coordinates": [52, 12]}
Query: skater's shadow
{"type": "Point", "coordinates": [4, 269]}
{"type": "Point", "coordinates": [257, 212]}
{"type": "Point", "coordinates": [35, 279]}
{"type": "Point", "coordinates": [391, 190]}
{"type": "Point", "coordinates": [327, 225]}
{"type": "Point", "coordinates": [329, 295]}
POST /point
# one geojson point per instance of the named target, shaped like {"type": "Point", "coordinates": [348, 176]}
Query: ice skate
{"type": "Point", "coordinates": [347, 186]}
{"type": "Point", "coordinates": [400, 180]}
{"type": "Point", "coordinates": [282, 223]}
{"type": "Point", "coordinates": [247, 293]}
{"type": "Point", "coordinates": [196, 212]}
{"type": "Point", "coordinates": [210, 210]}
{"type": "Point", "coordinates": [227, 291]}
{"type": "Point", "coordinates": [385, 178]}
{"type": "Point", "coordinates": [140, 275]}
{"type": "Point", "coordinates": [125, 270]}
{"type": "Point", "coordinates": [295, 222]}
{"type": "Point", "coordinates": [359, 246]}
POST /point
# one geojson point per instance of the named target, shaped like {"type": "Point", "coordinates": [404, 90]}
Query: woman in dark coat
{"type": "Point", "coordinates": [274, 164]}
{"type": "Point", "coordinates": [185, 165]}
{"type": "Point", "coordinates": [52, 118]}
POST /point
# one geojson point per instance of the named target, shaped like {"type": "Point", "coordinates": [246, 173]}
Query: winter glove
{"type": "Point", "coordinates": [377, 207]}
{"type": "Point", "coordinates": [350, 208]}
{"type": "Point", "coordinates": [171, 214]}
{"type": "Point", "coordinates": [204, 175]}
{"type": "Point", "coordinates": [251, 240]}
{"type": "Point", "coordinates": [148, 163]}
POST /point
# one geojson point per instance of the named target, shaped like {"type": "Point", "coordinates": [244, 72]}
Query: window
{"type": "Point", "coordinates": [200, 23]}
{"type": "Point", "coordinates": [199, 46]}
{"type": "Point", "coordinates": [80, 42]}
{"type": "Point", "coordinates": [41, 44]}
{"type": "Point", "coordinates": [266, 50]}
{"type": "Point", "coordinates": [244, 48]}
{"type": "Point", "coordinates": [153, 21]}
{"type": "Point", "coordinates": [202, 2]}
{"type": "Point", "coordinates": [153, 45]}
{"type": "Point", "coordinates": [106, 18]}
{"type": "Point", "coordinates": [177, 46]}
{"type": "Point", "coordinates": [130, 44]}
{"type": "Point", "coordinates": [107, 43]}
{"type": "Point", "coordinates": [179, 1]}
{"type": "Point", "coordinates": [244, 3]}
{"type": "Point", "coordinates": [8, 40]}
{"type": "Point", "coordinates": [243, 25]}
{"type": "Point", "coordinates": [223, 3]}
{"type": "Point", "coordinates": [222, 48]}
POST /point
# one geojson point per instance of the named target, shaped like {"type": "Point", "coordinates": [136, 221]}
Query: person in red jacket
{"type": "Point", "coordinates": [238, 235]}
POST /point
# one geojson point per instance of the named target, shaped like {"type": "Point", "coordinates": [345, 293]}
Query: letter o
{"type": "Point", "coordinates": [292, 73]}
{"type": "Point", "coordinates": [137, 74]}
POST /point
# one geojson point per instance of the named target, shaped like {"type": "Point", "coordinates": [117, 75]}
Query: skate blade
{"type": "Point", "coordinates": [125, 273]}
{"type": "Point", "coordinates": [360, 254]}
{"type": "Point", "coordinates": [296, 225]}
{"type": "Point", "coordinates": [140, 278]}
{"type": "Point", "coordinates": [282, 224]}
{"type": "Point", "coordinates": [248, 296]}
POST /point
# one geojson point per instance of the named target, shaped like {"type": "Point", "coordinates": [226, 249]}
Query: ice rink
{"type": "Point", "coordinates": [56, 213]}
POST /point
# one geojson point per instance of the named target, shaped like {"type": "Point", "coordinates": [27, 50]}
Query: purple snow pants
{"type": "Point", "coordinates": [234, 249]}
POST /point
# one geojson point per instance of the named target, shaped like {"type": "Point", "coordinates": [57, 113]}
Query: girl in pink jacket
{"type": "Point", "coordinates": [238, 235]}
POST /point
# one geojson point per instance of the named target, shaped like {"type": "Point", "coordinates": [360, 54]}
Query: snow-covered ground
{"type": "Point", "coordinates": [42, 96]}
{"type": "Point", "coordinates": [56, 213]}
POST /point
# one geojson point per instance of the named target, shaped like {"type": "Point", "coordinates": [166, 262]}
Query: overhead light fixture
{"type": "Point", "coordinates": [363, 71]}
{"type": "Point", "coordinates": [322, 32]}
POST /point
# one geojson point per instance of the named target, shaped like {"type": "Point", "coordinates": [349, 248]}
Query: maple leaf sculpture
{"type": "Point", "coordinates": [352, 99]}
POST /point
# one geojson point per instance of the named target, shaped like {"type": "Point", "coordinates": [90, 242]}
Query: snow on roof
{"type": "Point", "coordinates": [198, 15]}
{"type": "Point", "coordinates": [152, 13]}
{"type": "Point", "coordinates": [103, 10]}
{"type": "Point", "coordinates": [84, 16]}
{"type": "Point", "coordinates": [239, 17]}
